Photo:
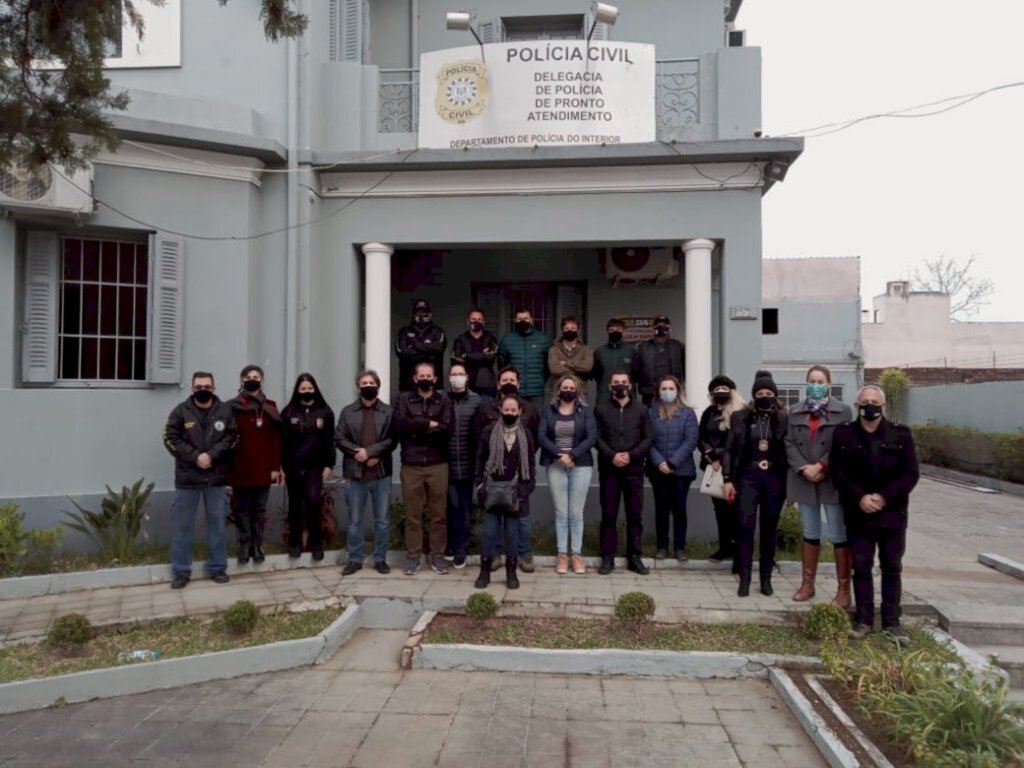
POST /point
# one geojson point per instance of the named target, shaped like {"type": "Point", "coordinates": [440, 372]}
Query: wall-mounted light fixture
{"type": "Point", "coordinates": [603, 13]}
{"type": "Point", "coordinates": [462, 21]}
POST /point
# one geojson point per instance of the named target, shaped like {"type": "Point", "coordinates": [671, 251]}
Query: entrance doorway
{"type": "Point", "coordinates": [548, 302]}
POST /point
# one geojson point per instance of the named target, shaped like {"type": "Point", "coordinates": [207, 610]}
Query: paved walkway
{"type": "Point", "coordinates": [359, 710]}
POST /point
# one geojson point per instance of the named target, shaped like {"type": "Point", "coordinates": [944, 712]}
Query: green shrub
{"type": "Point", "coordinates": [992, 454]}
{"type": "Point", "coordinates": [116, 527]}
{"type": "Point", "coordinates": [69, 632]}
{"type": "Point", "coordinates": [481, 605]}
{"type": "Point", "coordinates": [826, 621]}
{"type": "Point", "coordinates": [634, 608]}
{"type": "Point", "coordinates": [791, 529]}
{"type": "Point", "coordinates": [241, 617]}
{"type": "Point", "coordinates": [894, 383]}
{"type": "Point", "coordinates": [18, 544]}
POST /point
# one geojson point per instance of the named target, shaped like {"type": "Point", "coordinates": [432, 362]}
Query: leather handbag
{"type": "Point", "coordinates": [501, 495]}
{"type": "Point", "coordinates": [712, 484]}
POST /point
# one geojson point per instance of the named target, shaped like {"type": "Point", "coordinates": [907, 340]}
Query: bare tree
{"type": "Point", "coordinates": [967, 293]}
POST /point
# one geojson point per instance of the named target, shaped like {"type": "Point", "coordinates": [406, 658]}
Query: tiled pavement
{"type": "Point", "coordinates": [358, 710]}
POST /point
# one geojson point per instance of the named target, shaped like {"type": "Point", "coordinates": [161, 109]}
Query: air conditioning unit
{"type": "Point", "coordinates": [46, 188]}
{"type": "Point", "coordinates": [628, 266]}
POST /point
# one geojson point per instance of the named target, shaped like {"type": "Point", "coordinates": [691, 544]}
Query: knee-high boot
{"type": "Point", "coordinates": [844, 568]}
{"type": "Point", "coordinates": [810, 552]}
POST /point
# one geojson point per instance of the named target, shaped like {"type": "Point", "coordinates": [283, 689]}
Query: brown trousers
{"type": "Point", "coordinates": [425, 487]}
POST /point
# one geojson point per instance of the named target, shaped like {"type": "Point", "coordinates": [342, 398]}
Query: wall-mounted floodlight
{"type": "Point", "coordinates": [603, 14]}
{"type": "Point", "coordinates": [462, 21]}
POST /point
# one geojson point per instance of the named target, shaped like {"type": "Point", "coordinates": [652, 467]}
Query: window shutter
{"type": "Point", "coordinates": [167, 281]}
{"type": "Point", "coordinates": [491, 31]}
{"type": "Point", "coordinates": [352, 31]}
{"type": "Point", "coordinates": [333, 29]}
{"type": "Point", "coordinates": [39, 345]}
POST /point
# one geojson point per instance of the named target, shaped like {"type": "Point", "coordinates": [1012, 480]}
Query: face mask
{"type": "Point", "coordinates": [566, 396]}
{"type": "Point", "coordinates": [614, 337]}
{"type": "Point", "coordinates": [721, 397]}
{"type": "Point", "coordinates": [620, 390]}
{"type": "Point", "coordinates": [570, 335]}
{"type": "Point", "coordinates": [668, 396]}
{"type": "Point", "coordinates": [509, 418]}
{"type": "Point", "coordinates": [524, 326]}
{"type": "Point", "coordinates": [817, 391]}
{"type": "Point", "coordinates": [308, 400]}
{"type": "Point", "coordinates": [765, 403]}
{"type": "Point", "coordinates": [871, 412]}
{"type": "Point", "coordinates": [251, 385]}
{"type": "Point", "coordinates": [508, 388]}
{"type": "Point", "coordinates": [421, 319]}
{"type": "Point", "coordinates": [369, 392]}
{"type": "Point", "coordinates": [661, 330]}
{"type": "Point", "coordinates": [424, 385]}
{"type": "Point", "coordinates": [476, 326]}
{"type": "Point", "coordinates": [202, 396]}
{"type": "Point", "coordinates": [458, 382]}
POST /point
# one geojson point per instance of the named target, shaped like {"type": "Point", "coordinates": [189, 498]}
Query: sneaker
{"type": "Point", "coordinates": [661, 554]}
{"type": "Point", "coordinates": [220, 577]}
{"type": "Point", "coordinates": [719, 556]}
{"type": "Point", "coordinates": [352, 566]}
{"type": "Point", "coordinates": [636, 565]}
{"type": "Point", "coordinates": [439, 566]}
{"type": "Point", "coordinates": [526, 564]}
{"type": "Point", "coordinates": [681, 557]}
{"type": "Point", "coordinates": [294, 553]}
{"type": "Point", "coordinates": [859, 631]}
{"type": "Point", "coordinates": [577, 565]}
{"type": "Point", "coordinates": [180, 582]}
{"type": "Point", "coordinates": [607, 565]}
{"type": "Point", "coordinates": [449, 557]}
{"type": "Point", "coordinates": [562, 564]}
{"type": "Point", "coordinates": [412, 566]}
{"type": "Point", "coordinates": [899, 635]}
{"type": "Point", "coordinates": [459, 562]}
{"type": "Point", "coordinates": [318, 555]}
{"type": "Point", "coordinates": [382, 568]}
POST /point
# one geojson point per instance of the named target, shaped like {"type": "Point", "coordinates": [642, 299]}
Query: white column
{"type": "Point", "coordinates": [378, 313]}
{"type": "Point", "coordinates": [697, 263]}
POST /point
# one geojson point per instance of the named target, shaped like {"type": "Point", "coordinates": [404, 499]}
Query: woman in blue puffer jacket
{"type": "Point", "coordinates": [671, 468]}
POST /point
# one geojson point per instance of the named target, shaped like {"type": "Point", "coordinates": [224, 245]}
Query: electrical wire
{"type": "Point", "coordinates": [709, 177]}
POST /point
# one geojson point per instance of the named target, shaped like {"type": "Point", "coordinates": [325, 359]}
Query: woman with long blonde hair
{"type": "Point", "coordinates": [671, 468]}
{"type": "Point", "coordinates": [712, 435]}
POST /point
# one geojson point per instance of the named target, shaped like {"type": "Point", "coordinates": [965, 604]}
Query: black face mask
{"type": "Point", "coordinates": [251, 385]}
{"type": "Point", "coordinates": [721, 397]}
{"type": "Point", "coordinates": [424, 385]}
{"type": "Point", "coordinates": [369, 392]}
{"type": "Point", "coordinates": [661, 330]}
{"type": "Point", "coordinates": [620, 390]}
{"type": "Point", "coordinates": [476, 326]}
{"type": "Point", "coordinates": [570, 335]}
{"type": "Point", "coordinates": [765, 403]}
{"type": "Point", "coordinates": [524, 326]}
{"type": "Point", "coordinates": [308, 400]}
{"type": "Point", "coordinates": [509, 418]}
{"type": "Point", "coordinates": [614, 337]}
{"type": "Point", "coordinates": [509, 389]}
{"type": "Point", "coordinates": [421, 319]}
{"type": "Point", "coordinates": [566, 396]}
{"type": "Point", "coordinates": [871, 412]}
{"type": "Point", "coordinates": [202, 396]}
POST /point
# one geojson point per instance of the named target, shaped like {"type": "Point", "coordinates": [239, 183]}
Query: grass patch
{"type": "Point", "coordinates": [175, 638]}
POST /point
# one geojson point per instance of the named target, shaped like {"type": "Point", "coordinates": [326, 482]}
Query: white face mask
{"type": "Point", "coordinates": [458, 382]}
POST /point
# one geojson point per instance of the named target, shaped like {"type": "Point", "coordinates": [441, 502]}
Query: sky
{"type": "Point", "coordinates": [897, 191]}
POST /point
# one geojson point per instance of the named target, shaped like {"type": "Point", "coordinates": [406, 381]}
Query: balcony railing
{"type": "Point", "coordinates": [677, 96]}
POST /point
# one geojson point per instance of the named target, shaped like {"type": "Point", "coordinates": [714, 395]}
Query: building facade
{"type": "Point", "coordinates": [270, 205]}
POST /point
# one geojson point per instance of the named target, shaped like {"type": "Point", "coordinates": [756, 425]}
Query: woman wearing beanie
{"type": "Point", "coordinates": [712, 434]}
{"type": "Point", "coordinates": [754, 471]}
{"type": "Point", "coordinates": [808, 442]}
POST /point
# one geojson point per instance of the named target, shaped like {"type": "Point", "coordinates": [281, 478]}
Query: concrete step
{"type": "Point", "coordinates": [1009, 657]}
{"type": "Point", "coordinates": [983, 624]}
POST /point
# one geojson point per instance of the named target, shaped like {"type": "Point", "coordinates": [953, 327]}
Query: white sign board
{"type": "Point", "coordinates": [537, 93]}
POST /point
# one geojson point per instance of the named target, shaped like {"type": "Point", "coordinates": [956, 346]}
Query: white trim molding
{"type": "Point", "coordinates": [543, 181]}
{"type": "Point", "coordinates": [193, 162]}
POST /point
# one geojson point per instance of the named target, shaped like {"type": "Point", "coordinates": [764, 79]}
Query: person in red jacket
{"type": "Point", "coordinates": [257, 462]}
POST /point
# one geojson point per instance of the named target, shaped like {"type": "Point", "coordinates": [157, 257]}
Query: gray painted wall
{"type": "Point", "coordinates": [992, 406]}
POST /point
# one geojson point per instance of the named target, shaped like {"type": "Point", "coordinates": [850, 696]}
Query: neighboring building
{"type": "Point", "coordinates": [811, 314]}
{"type": "Point", "coordinates": [269, 206]}
{"type": "Point", "coordinates": [913, 330]}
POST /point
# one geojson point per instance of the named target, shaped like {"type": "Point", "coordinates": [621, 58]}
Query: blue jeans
{"type": "Point", "coordinates": [524, 534]}
{"type": "Point", "coordinates": [356, 493]}
{"type": "Point", "coordinates": [494, 524]}
{"type": "Point", "coordinates": [460, 506]}
{"type": "Point", "coordinates": [811, 515]}
{"type": "Point", "coordinates": [183, 520]}
{"type": "Point", "coordinates": [569, 489]}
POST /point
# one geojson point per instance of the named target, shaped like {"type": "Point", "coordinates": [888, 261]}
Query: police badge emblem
{"type": "Point", "coordinates": [219, 425]}
{"type": "Point", "coordinates": [462, 91]}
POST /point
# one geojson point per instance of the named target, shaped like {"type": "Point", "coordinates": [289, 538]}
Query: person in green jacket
{"type": "Point", "coordinates": [527, 350]}
{"type": "Point", "coordinates": [616, 355]}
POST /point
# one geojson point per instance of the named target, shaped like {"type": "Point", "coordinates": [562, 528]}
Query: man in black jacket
{"type": "Point", "coordinates": [477, 349]}
{"type": "Point", "coordinates": [874, 467]}
{"type": "Point", "coordinates": [423, 422]}
{"type": "Point", "coordinates": [201, 434]}
{"type": "Point", "coordinates": [420, 342]}
{"type": "Point", "coordinates": [658, 357]}
{"type": "Point", "coordinates": [624, 436]}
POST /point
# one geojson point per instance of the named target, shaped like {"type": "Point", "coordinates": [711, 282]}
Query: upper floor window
{"type": "Point", "coordinates": [569, 27]}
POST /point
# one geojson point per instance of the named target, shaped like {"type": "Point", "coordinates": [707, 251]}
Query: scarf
{"type": "Point", "coordinates": [817, 408]}
{"type": "Point", "coordinates": [496, 450]}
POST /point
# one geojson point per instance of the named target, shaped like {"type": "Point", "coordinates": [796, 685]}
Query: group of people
{"type": "Point", "coordinates": [476, 442]}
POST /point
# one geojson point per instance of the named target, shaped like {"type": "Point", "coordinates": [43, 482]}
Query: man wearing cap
{"type": "Point", "coordinates": [420, 342]}
{"type": "Point", "coordinates": [658, 357]}
{"type": "Point", "coordinates": [616, 355]}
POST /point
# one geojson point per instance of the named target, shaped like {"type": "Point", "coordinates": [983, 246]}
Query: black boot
{"type": "Point", "coordinates": [744, 590]}
{"type": "Point", "coordinates": [257, 553]}
{"type": "Point", "coordinates": [243, 554]}
{"type": "Point", "coordinates": [766, 583]}
{"type": "Point", "coordinates": [485, 573]}
{"type": "Point", "coordinates": [511, 580]}
{"type": "Point", "coordinates": [607, 565]}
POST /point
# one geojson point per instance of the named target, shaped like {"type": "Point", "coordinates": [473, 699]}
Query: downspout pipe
{"type": "Point", "coordinates": [292, 218]}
